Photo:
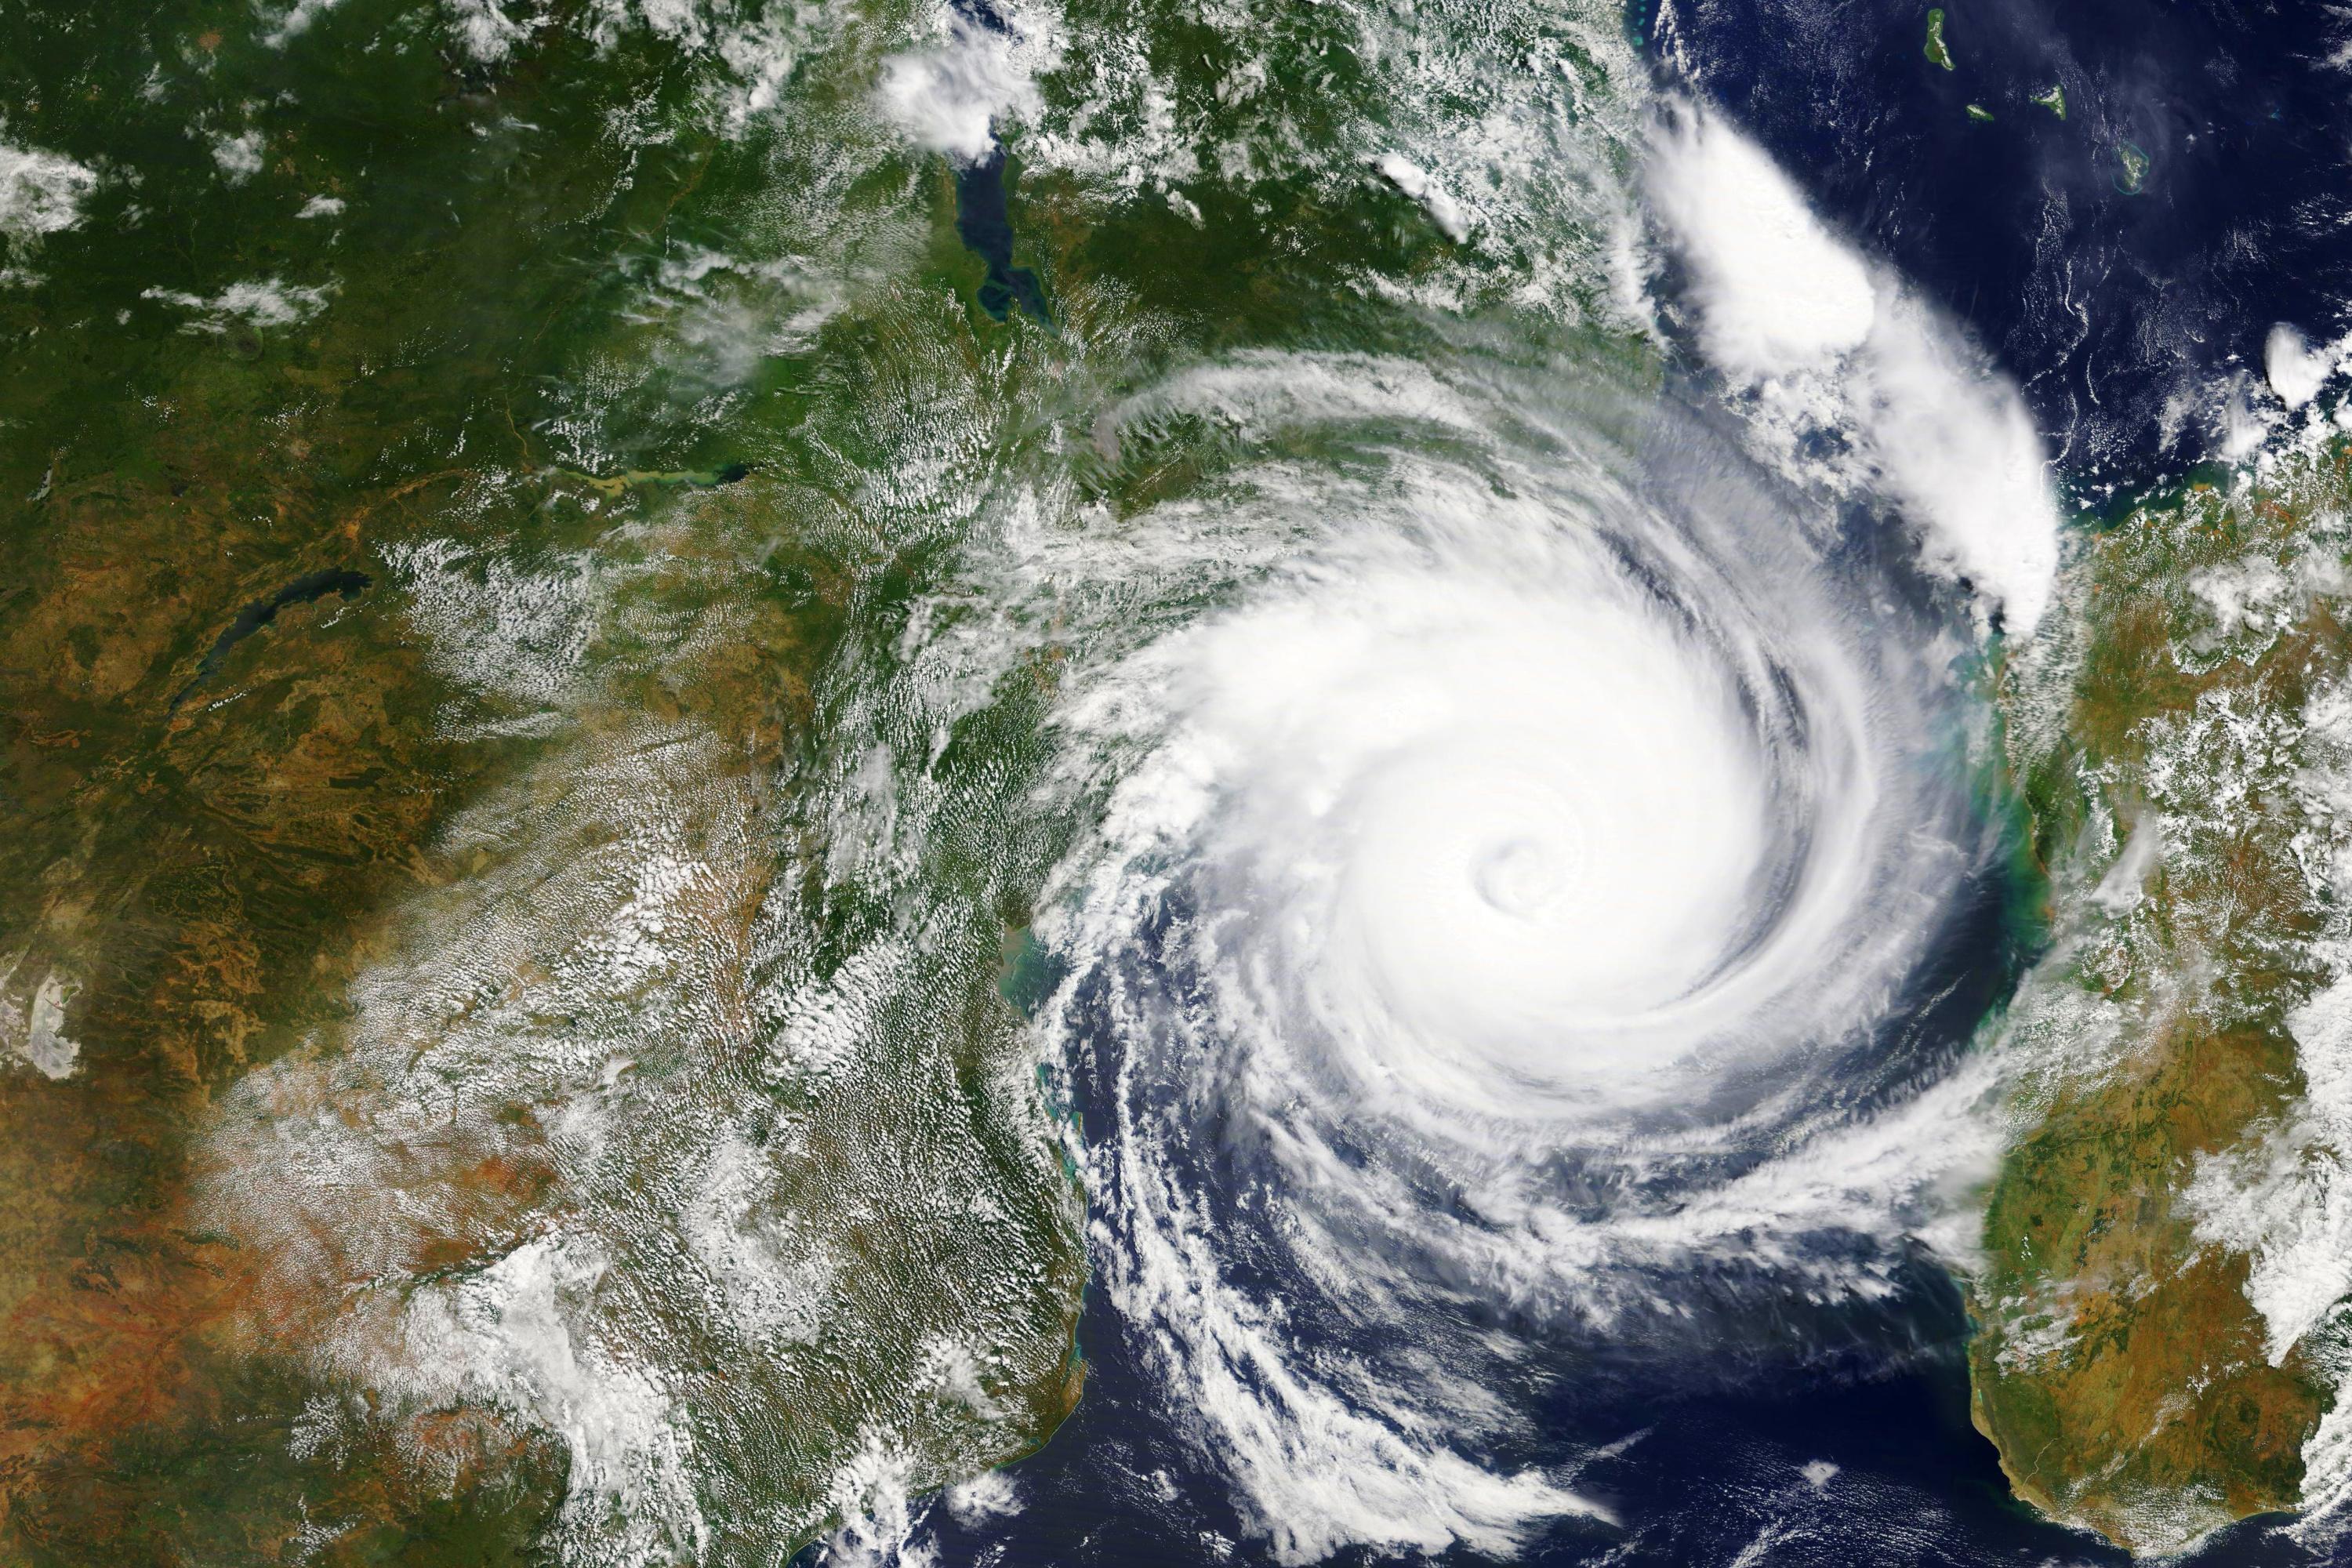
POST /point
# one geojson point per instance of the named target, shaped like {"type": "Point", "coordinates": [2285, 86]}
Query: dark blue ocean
{"type": "Point", "coordinates": [2106, 304]}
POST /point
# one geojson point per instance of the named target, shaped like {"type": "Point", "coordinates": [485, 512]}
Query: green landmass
{"type": "Point", "coordinates": [480, 401]}
{"type": "Point", "coordinates": [1935, 49]}
{"type": "Point", "coordinates": [2118, 1362]}
{"type": "Point", "coordinates": [1977, 111]}
{"type": "Point", "coordinates": [2055, 99]}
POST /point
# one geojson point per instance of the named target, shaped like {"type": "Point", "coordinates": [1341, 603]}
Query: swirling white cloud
{"type": "Point", "coordinates": [1486, 895]}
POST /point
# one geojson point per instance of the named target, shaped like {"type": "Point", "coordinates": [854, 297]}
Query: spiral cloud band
{"type": "Point", "coordinates": [1496, 893]}
{"type": "Point", "coordinates": [1512, 833]}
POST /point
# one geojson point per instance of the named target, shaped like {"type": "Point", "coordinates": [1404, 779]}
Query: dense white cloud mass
{"type": "Point", "coordinates": [1829, 344]}
{"type": "Point", "coordinates": [1413, 180]}
{"type": "Point", "coordinates": [40, 192]}
{"type": "Point", "coordinates": [2295, 369]}
{"type": "Point", "coordinates": [946, 98]}
{"type": "Point", "coordinates": [1775, 291]}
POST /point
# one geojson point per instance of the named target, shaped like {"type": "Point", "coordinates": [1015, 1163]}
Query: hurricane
{"type": "Point", "coordinates": [1488, 823]}
{"type": "Point", "coordinates": [1497, 923]}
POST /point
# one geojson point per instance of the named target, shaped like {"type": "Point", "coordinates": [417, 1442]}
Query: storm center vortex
{"type": "Point", "coordinates": [1546, 820]}
{"type": "Point", "coordinates": [1525, 876]}
{"type": "Point", "coordinates": [1508, 801]}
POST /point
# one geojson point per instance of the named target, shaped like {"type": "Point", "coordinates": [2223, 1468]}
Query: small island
{"type": "Point", "coordinates": [1937, 50]}
{"type": "Point", "coordinates": [2054, 100]}
{"type": "Point", "coordinates": [2132, 178]}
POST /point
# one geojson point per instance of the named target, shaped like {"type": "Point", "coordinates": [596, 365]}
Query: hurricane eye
{"type": "Point", "coordinates": [1524, 877]}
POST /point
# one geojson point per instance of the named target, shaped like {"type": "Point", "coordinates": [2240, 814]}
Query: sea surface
{"type": "Point", "coordinates": [2120, 312]}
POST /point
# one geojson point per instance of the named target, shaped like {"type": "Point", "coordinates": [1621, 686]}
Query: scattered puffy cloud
{"type": "Point", "coordinates": [239, 157]}
{"type": "Point", "coordinates": [256, 303]}
{"type": "Point", "coordinates": [40, 192]}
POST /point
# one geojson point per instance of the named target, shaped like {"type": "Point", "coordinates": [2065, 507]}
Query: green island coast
{"type": "Point", "coordinates": [2131, 178]}
{"type": "Point", "coordinates": [1937, 50]}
